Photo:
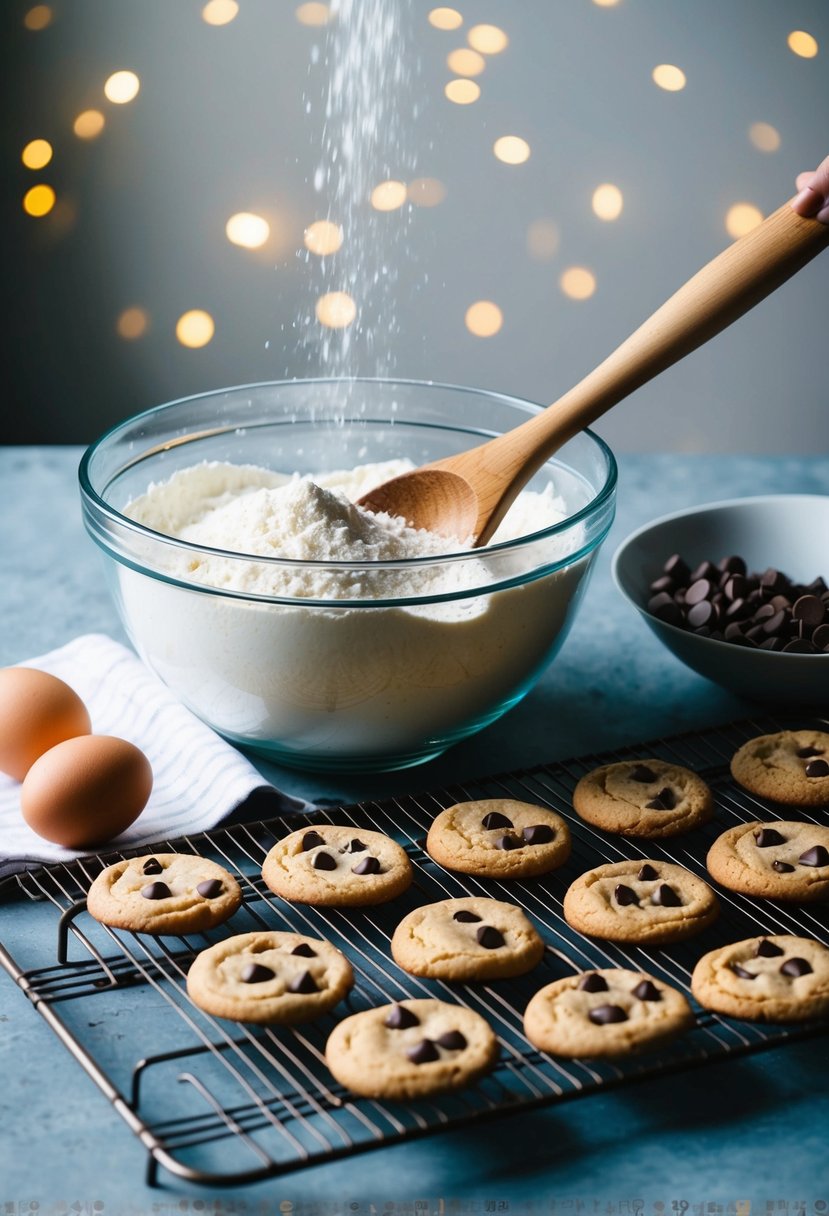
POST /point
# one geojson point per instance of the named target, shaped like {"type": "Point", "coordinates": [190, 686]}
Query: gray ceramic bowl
{"type": "Point", "coordinates": [787, 531]}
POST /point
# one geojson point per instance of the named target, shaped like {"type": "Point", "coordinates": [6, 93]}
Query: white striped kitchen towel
{"type": "Point", "coordinates": [198, 778]}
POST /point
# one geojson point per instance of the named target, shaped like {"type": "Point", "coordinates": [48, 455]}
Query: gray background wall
{"type": "Point", "coordinates": [232, 118]}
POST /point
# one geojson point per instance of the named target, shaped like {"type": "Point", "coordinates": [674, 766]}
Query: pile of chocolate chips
{"type": "Point", "coordinates": [726, 602]}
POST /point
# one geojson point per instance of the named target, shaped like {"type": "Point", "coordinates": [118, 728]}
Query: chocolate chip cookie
{"type": "Point", "coordinates": [786, 860]}
{"type": "Point", "coordinates": [643, 798]}
{"type": "Point", "coordinates": [269, 977]}
{"type": "Point", "coordinates": [606, 1013]}
{"type": "Point", "coordinates": [765, 979]}
{"type": "Point", "coordinates": [164, 893]}
{"type": "Point", "coordinates": [337, 867]}
{"type": "Point", "coordinates": [473, 938]}
{"type": "Point", "coordinates": [411, 1050]}
{"type": "Point", "coordinates": [791, 766]}
{"type": "Point", "coordinates": [640, 901]}
{"type": "Point", "coordinates": [499, 838]}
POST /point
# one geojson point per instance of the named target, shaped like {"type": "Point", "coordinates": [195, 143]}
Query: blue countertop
{"type": "Point", "coordinates": [748, 1132]}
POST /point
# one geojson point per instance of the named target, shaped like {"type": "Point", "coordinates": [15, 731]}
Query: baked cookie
{"type": "Point", "coordinates": [765, 979]}
{"type": "Point", "coordinates": [269, 977]}
{"type": "Point", "coordinates": [643, 798]}
{"type": "Point", "coordinates": [791, 766]}
{"type": "Point", "coordinates": [786, 860]}
{"type": "Point", "coordinates": [640, 901]}
{"type": "Point", "coordinates": [611, 1012]}
{"type": "Point", "coordinates": [411, 1050]}
{"type": "Point", "coordinates": [337, 867]}
{"type": "Point", "coordinates": [164, 893]}
{"type": "Point", "coordinates": [473, 938]}
{"type": "Point", "coordinates": [499, 838]}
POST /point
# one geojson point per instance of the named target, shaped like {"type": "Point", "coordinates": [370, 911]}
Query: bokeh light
{"type": "Point", "coordinates": [132, 323]}
{"type": "Point", "coordinates": [323, 237]}
{"type": "Point", "coordinates": [764, 136]}
{"type": "Point", "coordinates": [38, 17]}
{"type": "Point", "coordinates": [483, 318]}
{"type": "Point", "coordinates": [426, 192]}
{"type": "Point", "coordinates": [741, 218]}
{"type": "Point", "coordinates": [607, 201]}
{"type": "Point", "coordinates": [605, 3]}
{"type": "Point", "coordinates": [511, 149]}
{"type": "Point", "coordinates": [121, 87]}
{"type": "Point", "coordinates": [802, 44]}
{"type": "Point", "coordinates": [336, 309]}
{"type": "Point", "coordinates": [195, 328]}
{"type": "Point", "coordinates": [445, 18]}
{"type": "Point", "coordinates": [465, 62]}
{"type": "Point", "coordinates": [39, 200]}
{"type": "Point", "coordinates": [89, 124]}
{"type": "Point", "coordinates": [220, 12]}
{"type": "Point", "coordinates": [313, 14]}
{"type": "Point", "coordinates": [578, 283]}
{"type": "Point", "coordinates": [488, 39]}
{"type": "Point", "coordinates": [669, 77]}
{"type": "Point", "coordinates": [36, 154]}
{"type": "Point", "coordinates": [248, 230]}
{"type": "Point", "coordinates": [388, 196]}
{"type": "Point", "coordinates": [543, 239]}
{"type": "Point", "coordinates": [462, 92]}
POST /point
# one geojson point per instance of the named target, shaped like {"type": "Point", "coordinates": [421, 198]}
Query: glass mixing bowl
{"type": "Point", "coordinates": [343, 683]}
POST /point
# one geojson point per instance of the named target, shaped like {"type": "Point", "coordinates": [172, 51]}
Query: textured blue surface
{"type": "Point", "coordinates": [743, 1130]}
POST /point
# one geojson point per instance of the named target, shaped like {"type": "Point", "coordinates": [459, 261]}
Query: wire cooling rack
{"type": "Point", "coordinates": [218, 1102]}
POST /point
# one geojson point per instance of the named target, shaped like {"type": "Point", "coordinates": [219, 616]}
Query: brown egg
{"type": "Point", "coordinates": [86, 790]}
{"type": "Point", "coordinates": [37, 710]}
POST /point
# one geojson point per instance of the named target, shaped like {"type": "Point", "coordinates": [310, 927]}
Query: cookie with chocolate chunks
{"type": "Point", "coordinates": [786, 859]}
{"type": "Point", "coordinates": [649, 798]}
{"type": "Point", "coordinates": [640, 901]}
{"type": "Point", "coordinates": [789, 766]}
{"type": "Point", "coordinates": [499, 838]}
{"type": "Point", "coordinates": [337, 866]}
{"type": "Point", "coordinates": [780, 978]}
{"type": "Point", "coordinates": [411, 1050]}
{"type": "Point", "coordinates": [605, 1013]}
{"type": "Point", "coordinates": [164, 893]}
{"type": "Point", "coordinates": [269, 978]}
{"type": "Point", "coordinates": [467, 939]}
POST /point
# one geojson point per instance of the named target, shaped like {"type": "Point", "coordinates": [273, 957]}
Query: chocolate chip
{"type": "Point", "coordinates": [468, 918]}
{"type": "Point", "coordinates": [489, 938]}
{"type": "Point", "coordinates": [799, 646]}
{"type": "Point", "coordinates": [663, 583]}
{"type": "Point", "coordinates": [625, 896]}
{"type": "Point", "coordinates": [810, 610]}
{"type": "Point", "coordinates": [665, 800]}
{"type": "Point", "coordinates": [494, 819]}
{"type": "Point", "coordinates": [765, 837]}
{"type": "Point", "coordinates": [702, 613]}
{"type": "Point", "coordinates": [817, 768]}
{"type": "Point", "coordinates": [210, 888]}
{"type": "Point", "coordinates": [324, 861]}
{"type": "Point", "coordinates": [677, 569]}
{"type": "Point", "coordinates": [508, 842]}
{"type": "Point", "coordinates": [356, 846]}
{"type": "Point", "coordinates": [368, 865]}
{"type": "Point", "coordinates": [665, 608]}
{"type": "Point", "coordinates": [666, 897]}
{"type": "Point", "coordinates": [152, 866]}
{"type": "Point", "coordinates": [538, 833]}
{"type": "Point", "coordinates": [820, 638]}
{"type": "Point", "coordinates": [767, 949]}
{"type": "Point", "coordinates": [816, 856]}
{"type": "Point", "coordinates": [732, 565]}
{"type": "Point", "coordinates": [705, 569]}
{"type": "Point", "coordinates": [803, 753]}
{"type": "Point", "coordinates": [256, 973]}
{"type": "Point", "coordinates": [452, 1040]}
{"type": "Point", "coordinates": [647, 991]}
{"type": "Point", "coordinates": [782, 867]}
{"type": "Point", "coordinates": [303, 950]}
{"type": "Point", "coordinates": [157, 890]}
{"type": "Point", "coordinates": [424, 1053]}
{"type": "Point", "coordinates": [647, 873]}
{"type": "Point", "coordinates": [593, 983]}
{"type": "Point", "coordinates": [603, 1015]}
{"type": "Point", "coordinates": [400, 1018]}
{"type": "Point", "coordinates": [641, 772]}
{"type": "Point", "coordinates": [742, 973]}
{"type": "Point", "coordinates": [303, 983]}
{"type": "Point", "coordinates": [310, 841]}
{"type": "Point", "coordinates": [793, 967]}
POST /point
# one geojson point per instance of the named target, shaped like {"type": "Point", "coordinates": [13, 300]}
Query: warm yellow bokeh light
{"type": "Point", "coordinates": [388, 196]}
{"type": "Point", "coordinates": [445, 18]}
{"type": "Point", "coordinates": [322, 237]}
{"type": "Point", "coordinates": [578, 283]}
{"type": "Point", "coordinates": [313, 14]}
{"type": "Point", "coordinates": [483, 318]}
{"type": "Point", "coordinates": [741, 218]}
{"type": "Point", "coordinates": [38, 17]}
{"type": "Point", "coordinates": [132, 323]}
{"type": "Point", "coordinates": [543, 240]}
{"type": "Point", "coordinates": [764, 136]}
{"type": "Point", "coordinates": [605, 3]}
{"type": "Point", "coordinates": [802, 44]}
{"type": "Point", "coordinates": [36, 154]}
{"type": "Point", "coordinates": [426, 192]}
{"type": "Point", "coordinates": [248, 230]}
{"type": "Point", "coordinates": [669, 77]}
{"type": "Point", "coordinates": [511, 149]}
{"type": "Point", "coordinates": [336, 310]}
{"type": "Point", "coordinates": [607, 201]}
{"type": "Point", "coordinates": [465, 62]}
{"type": "Point", "coordinates": [39, 200]}
{"type": "Point", "coordinates": [195, 328]}
{"type": "Point", "coordinates": [89, 124]}
{"type": "Point", "coordinates": [488, 39]}
{"type": "Point", "coordinates": [121, 87]}
{"type": "Point", "coordinates": [462, 92]}
{"type": "Point", "coordinates": [220, 12]}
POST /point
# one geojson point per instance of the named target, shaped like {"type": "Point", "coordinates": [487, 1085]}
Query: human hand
{"type": "Point", "coordinates": [812, 199]}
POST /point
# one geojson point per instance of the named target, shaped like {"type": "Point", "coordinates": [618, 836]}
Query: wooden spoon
{"type": "Point", "coordinates": [467, 495]}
